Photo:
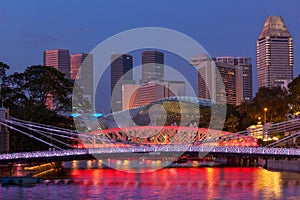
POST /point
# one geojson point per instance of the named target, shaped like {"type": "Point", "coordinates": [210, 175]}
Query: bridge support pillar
{"type": "Point", "coordinates": [4, 134]}
{"type": "Point", "coordinates": [266, 163]}
{"type": "Point", "coordinates": [57, 164]}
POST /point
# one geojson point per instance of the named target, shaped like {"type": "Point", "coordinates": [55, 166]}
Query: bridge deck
{"type": "Point", "coordinates": [79, 153]}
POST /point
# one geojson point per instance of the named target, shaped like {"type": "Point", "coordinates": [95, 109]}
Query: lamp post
{"type": "Point", "coordinates": [265, 115]}
{"type": "Point", "coordinates": [265, 121]}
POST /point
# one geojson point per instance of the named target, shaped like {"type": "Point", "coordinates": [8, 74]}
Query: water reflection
{"type": "Point", "coordinates": [194, 183]}
{"type": "Point", "coordinates": [167, 183]}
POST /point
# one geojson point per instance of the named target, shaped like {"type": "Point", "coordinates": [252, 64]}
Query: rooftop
{"type": "Point", "coordinates": [274, 26]}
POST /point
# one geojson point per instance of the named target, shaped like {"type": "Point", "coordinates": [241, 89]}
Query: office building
{"type": "Point", "coordinates": [121, 73]}
{"type": "Point", "coordinates": [206, 68]}
{"type": "Point", "coordinates": [81, 70]}
{"type": "Point", "coordinates": [228, 75]}
{"type": "Point", "coordinates": [59, 59]}
{"type": "Point", "coordinates": [243, 75]}
{"type": "Point", "coordinates": [152, 66]}
{"type": "Point", "coordinates": [274, 53]}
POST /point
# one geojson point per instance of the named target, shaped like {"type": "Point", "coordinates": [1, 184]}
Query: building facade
{"type": "Point", "coordinates": [206, 68]}
{"type": "Point", "coordinates": [59, 59]}
{"type": "Point", "coordinates": [152, 66]}
{"type": "Point", "coordinates": [81, 71]}
{"type": "Point", "coordinates": [274, 53]}
{"type": "Point", "coordinates": [228, 75]}
{"type": "Point", "coordinates": [121, 73]}
{"type": "Point", "coordinates": [243, 75]}
{"type": "Point", "coordinates": [136, 95]}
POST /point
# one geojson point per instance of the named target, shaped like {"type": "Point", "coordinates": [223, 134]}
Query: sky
{"type": "Point", "coordinates": [223, 28]}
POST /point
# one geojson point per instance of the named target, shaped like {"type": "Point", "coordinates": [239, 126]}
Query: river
{"type": "Point", "coordinates": [91, 182]}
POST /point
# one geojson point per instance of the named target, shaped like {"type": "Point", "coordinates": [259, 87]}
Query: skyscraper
{"type": "Point", "coordinates": [75, 62]}
{"type": "Point", "coordinates": [228, 74]}
{"type": "Point", "coordinates": [81, 70]}
{"type": "Point", "coordinates": [274, 53]}
{"type": "Point", "coordinates": [59, 59]}
{"type": "Point", "coordinates": [206, 68]}
{"type": "Point", "coordinates": [121, 73]}
{"type": "Point", "coordinates": [152, 66]}
{"type": "Point", "coordinates": [243, 74]}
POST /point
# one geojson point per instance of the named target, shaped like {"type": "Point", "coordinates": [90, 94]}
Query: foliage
{"type": "Point", "coordinates": [294, 95]}
{"type": "Point", "coordinates": [274, 99]}
{"type": "Point", "coordinates": [26, 94]}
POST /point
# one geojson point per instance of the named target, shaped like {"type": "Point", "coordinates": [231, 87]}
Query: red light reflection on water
{"type": "Point", "coordinates": [184, 183]}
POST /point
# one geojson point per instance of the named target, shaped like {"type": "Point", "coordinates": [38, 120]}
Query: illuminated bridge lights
{"type": "Point", "coordinates": [170, 135]}
{"type": "Point", "coordinates": [63, 154]}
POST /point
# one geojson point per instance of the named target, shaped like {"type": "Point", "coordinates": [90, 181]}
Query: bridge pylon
{"type": "Point", "coordinates": [4, 133]}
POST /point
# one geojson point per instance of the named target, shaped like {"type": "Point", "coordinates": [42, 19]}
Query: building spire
{"type": "Point", "coordinates": [274, 26]}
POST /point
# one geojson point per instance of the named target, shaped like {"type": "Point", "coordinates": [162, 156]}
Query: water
{"type": "Point", "coordinates": [167, 183]}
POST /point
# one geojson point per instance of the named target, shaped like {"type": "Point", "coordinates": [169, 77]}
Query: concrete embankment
{"type": "Point", "coordinates": [280, 165]}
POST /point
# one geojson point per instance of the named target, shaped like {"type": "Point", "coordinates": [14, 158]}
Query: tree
{"type": "Point", "coordinates": [231, 123]}
{"type": "Point", "coordinates": [3, 68]}
{"type": "Point", "coordinates": [30, 91]}
{"type": "Point", "coordinates": [275, 100]}
{"type": "Point", "coordinates": [248, 115]}
{"type": "Point", "coordinates": [26, 94]}
{"type": "Point", "coordinates": [294, 94]}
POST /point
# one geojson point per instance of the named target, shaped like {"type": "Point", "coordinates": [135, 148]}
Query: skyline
{"type": "Point", "coordinates": [230, 28]}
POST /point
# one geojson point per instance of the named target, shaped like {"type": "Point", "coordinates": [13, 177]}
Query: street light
{"type": "Point", "coordinates": [259, 121]}
{"type": "Point", "coordinates": [265, 121]}
{"type": "Point", "coordinates": [265, 115]}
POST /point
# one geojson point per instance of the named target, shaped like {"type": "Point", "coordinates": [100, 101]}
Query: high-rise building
{"type": "Point", "coordinates": [152, 66]}
{"type": "Point", "coordinates": [121, 73]}
{"type": "Point", "coordinates": [81, 70]}
{"type": "Point", "coordinates": [59, 59]}
{"type": "Point", "coordinates": [206, 68]}
{"type": "Point", "coordinates": [75, 62]}
{"type": "Point", "coordinates": [274, 53]}
{"type": "Point", "coordinates": [228, 75]}
{"type": "Point", "coordinates": [243, 75]}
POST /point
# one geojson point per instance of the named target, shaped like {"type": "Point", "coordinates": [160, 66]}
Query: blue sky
{"type": "Point", "coordinates": [224, 28]}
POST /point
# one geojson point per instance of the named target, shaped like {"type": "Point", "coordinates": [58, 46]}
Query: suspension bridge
{"type": "Point", "coordinates": [71, 145]}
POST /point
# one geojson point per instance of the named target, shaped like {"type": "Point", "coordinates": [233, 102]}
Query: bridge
{"type": "Point", "coordinates": [79, 154]}
{"type": "Point", "coordinates": [148, 139]}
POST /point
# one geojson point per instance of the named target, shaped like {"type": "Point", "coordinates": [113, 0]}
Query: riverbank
{"type": "Point", "coordinates": [280, 165]}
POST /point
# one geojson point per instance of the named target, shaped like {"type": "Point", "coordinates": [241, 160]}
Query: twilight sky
{"type": "Point", "coordinates": [224, 28]}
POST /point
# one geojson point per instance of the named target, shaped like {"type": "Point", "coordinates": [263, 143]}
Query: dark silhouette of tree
{"type": "Point", "coordinates": [275, 100]}
{"type": "Point", "coordinates": [26, 94]}
{"type": "Point", "coordinates": [294, 95]}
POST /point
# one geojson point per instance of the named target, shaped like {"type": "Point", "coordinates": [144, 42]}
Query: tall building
{"type": "Point", "coordinates": [121, 73]}
{"type": "Point", "coordinates": [152, 66]}
{"type": "Point", "coordinates": [274, 53]}
{"type": "Point", "coordinates": [75, 62]}
{"type": "Point", "coordinates": [243, 75]}
{"type": "Point", "coordinates": [206, 68]}
{"type": "Point", "coordinates": [81, 70]}
{"type": "Point", "coordinates": [228, 75]}
{"type": "Point", "coordinates": [59, 59]}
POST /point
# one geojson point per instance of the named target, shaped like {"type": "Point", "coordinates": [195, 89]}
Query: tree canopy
{"type": "Point", "coordinates": [26, 95]}
{"type": "Point", "coordinates": [294, 95]}
{"type": "Point", "coordinates": [29, 91]}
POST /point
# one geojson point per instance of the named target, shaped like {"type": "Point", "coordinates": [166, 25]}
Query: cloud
{"type": "Point", "coordinates": [38, 39]}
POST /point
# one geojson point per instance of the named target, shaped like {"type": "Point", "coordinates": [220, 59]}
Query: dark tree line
{"type": "Point", "coordinates": [280, 104]}
{"type": "Point", "coordinates": [26, 95]}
